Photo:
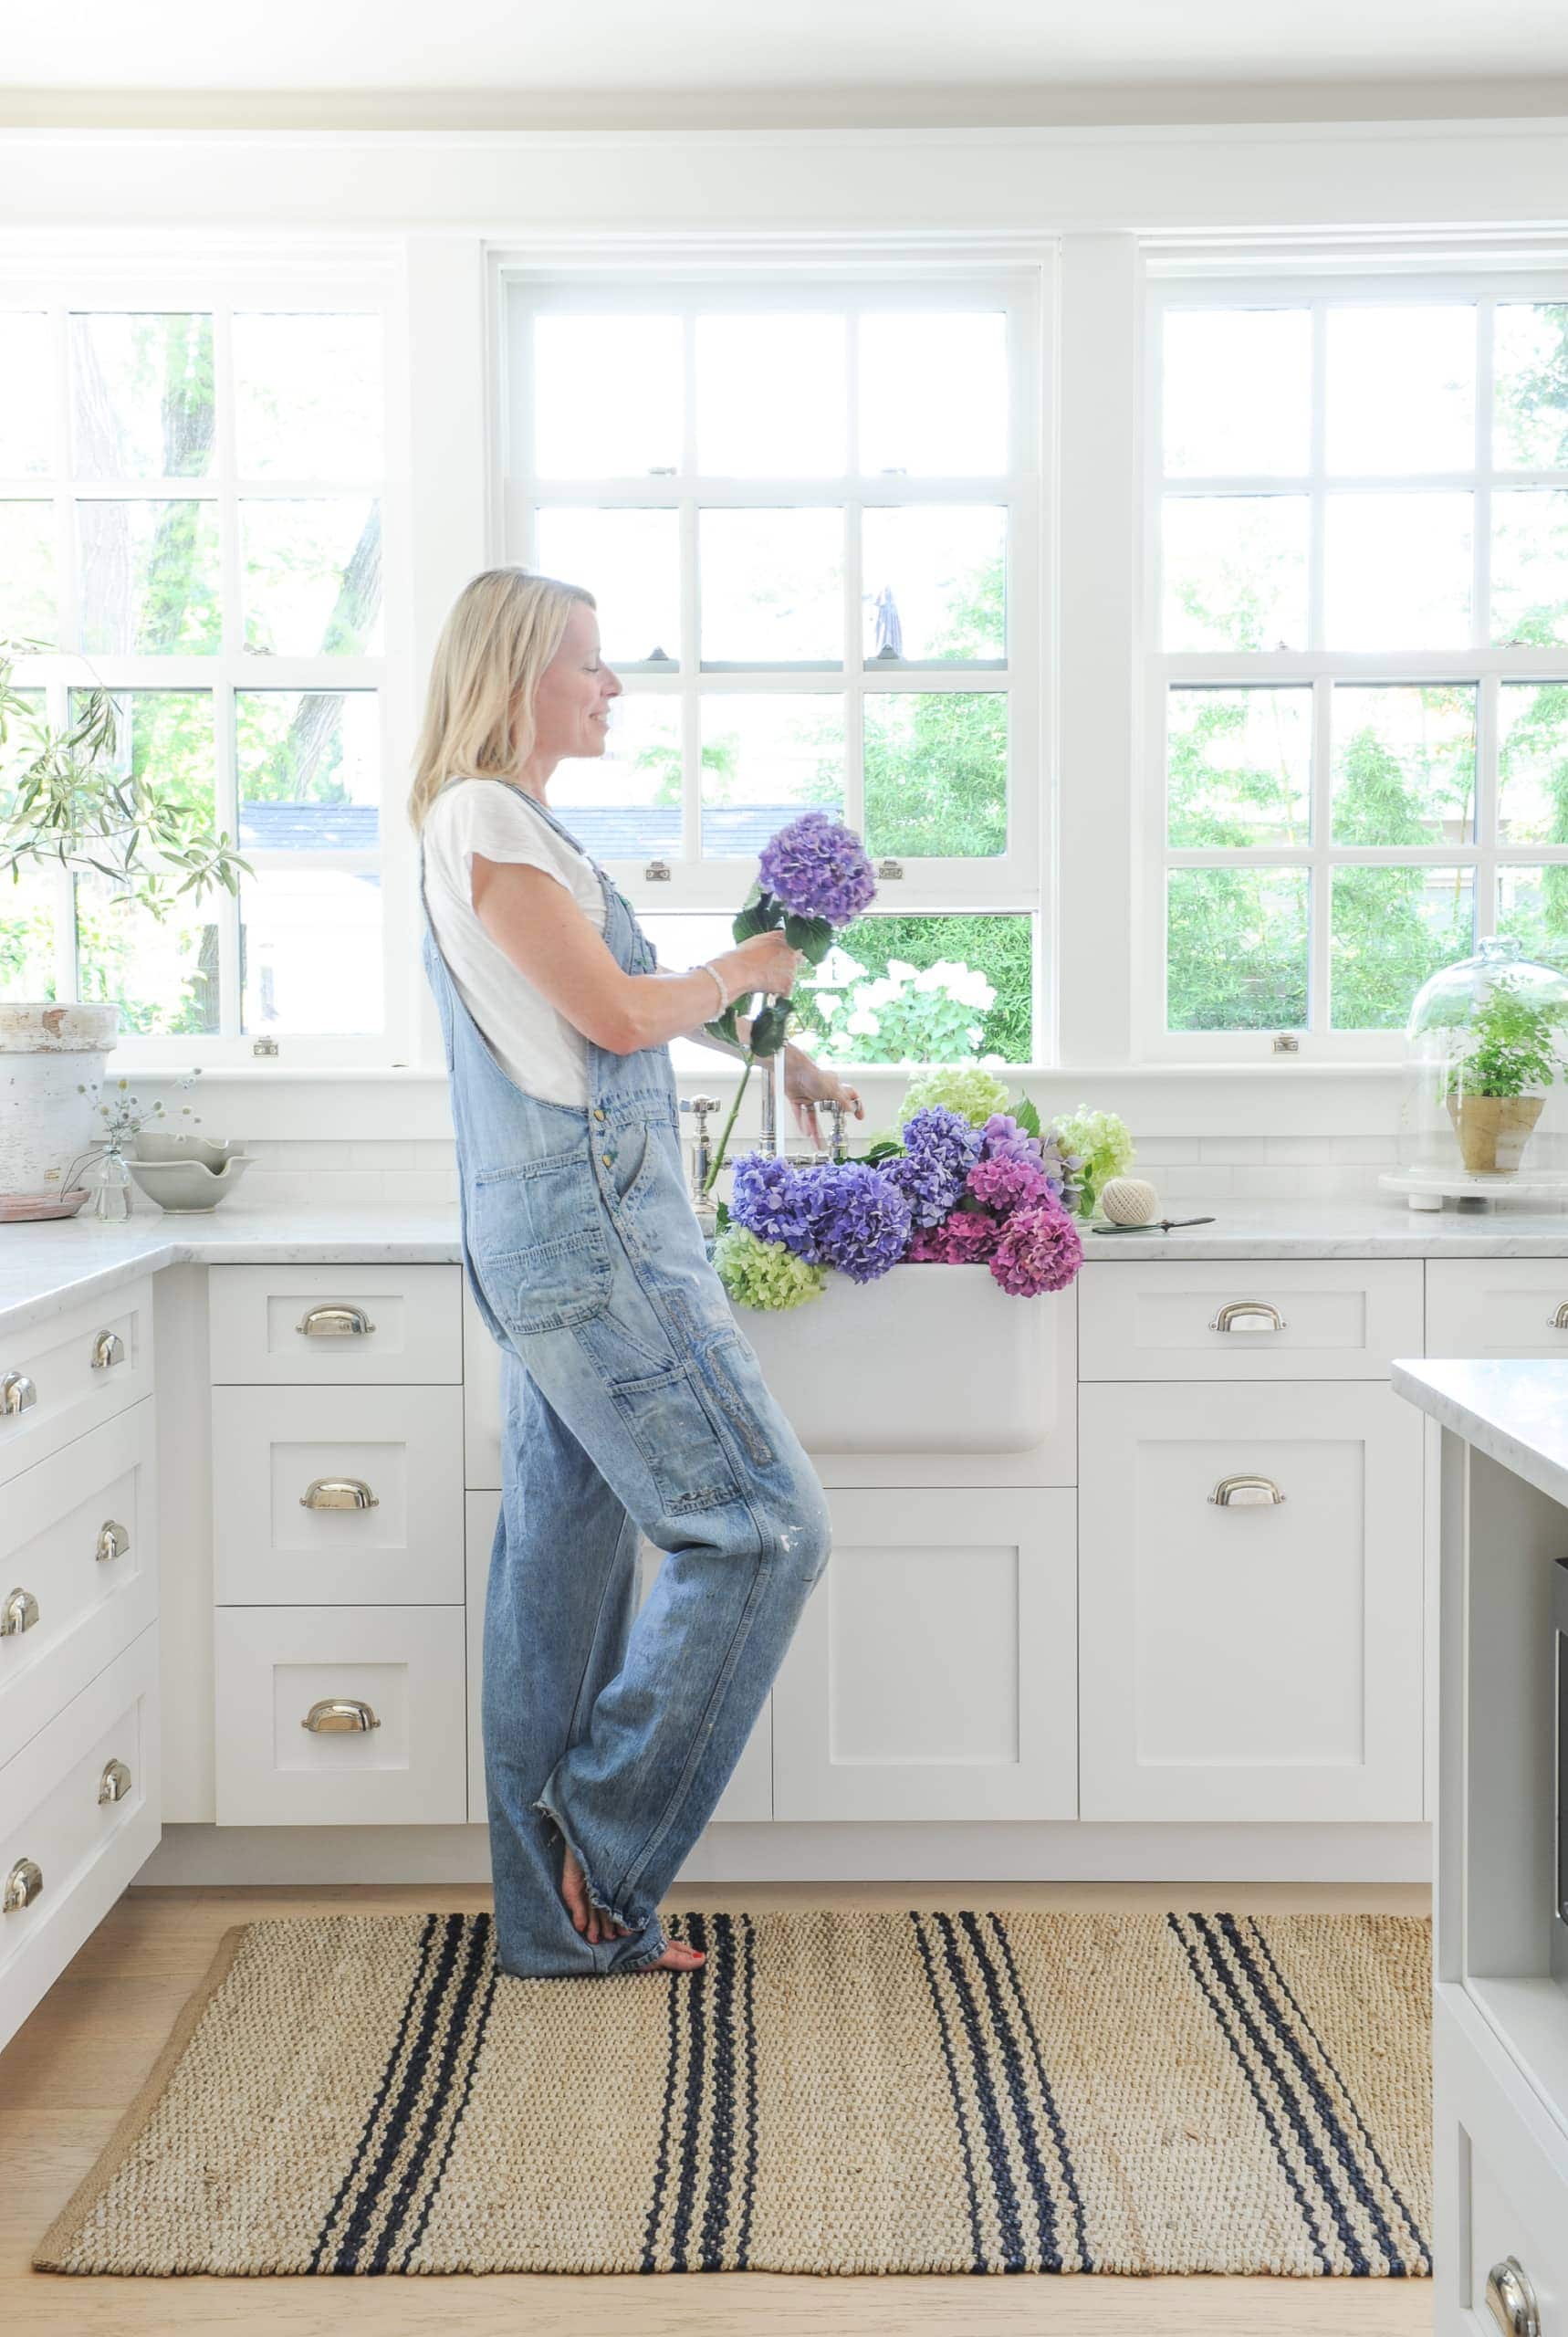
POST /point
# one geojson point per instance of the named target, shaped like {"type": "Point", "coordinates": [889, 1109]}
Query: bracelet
{"type": "Point", "coordinates": [707, 966]}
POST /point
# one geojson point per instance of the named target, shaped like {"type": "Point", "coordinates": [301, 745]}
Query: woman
{"type": "Point", "coordinates": [631, 1404]}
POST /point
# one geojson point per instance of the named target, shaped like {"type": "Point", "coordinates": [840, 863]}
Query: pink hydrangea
{"type": "Point", "coordinates": [1009, 1180]}
{"type": "Point", "coordinates": [1038, 1250]}
{"type": "Point", "coordinates": [964, 1236]}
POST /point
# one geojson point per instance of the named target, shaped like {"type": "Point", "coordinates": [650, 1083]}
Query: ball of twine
{"type": "Point", "coordinates": [1128, 1200]}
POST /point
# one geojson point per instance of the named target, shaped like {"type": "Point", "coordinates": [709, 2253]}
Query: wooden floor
{"type": "Point", "coordinates": [67, 2075]}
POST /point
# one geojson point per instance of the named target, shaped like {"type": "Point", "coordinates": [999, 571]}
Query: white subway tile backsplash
{"type": "Point", "coordinates": [1236, 1149]}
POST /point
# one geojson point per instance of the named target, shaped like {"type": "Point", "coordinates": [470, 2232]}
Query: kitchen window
{"type": "Point", "coordinates": [1357, 721]}
{"type": "Point", "coordinates": [192, 512]}
{"type": "Point", "coordinates": [811, 510]}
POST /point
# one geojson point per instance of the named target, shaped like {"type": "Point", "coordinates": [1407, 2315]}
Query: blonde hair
{"type": "Point", "coordinates": [500, 634]}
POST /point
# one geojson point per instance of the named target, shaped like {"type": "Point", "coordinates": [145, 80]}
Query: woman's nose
{"type": "Point", "coordinates": [613, 682]}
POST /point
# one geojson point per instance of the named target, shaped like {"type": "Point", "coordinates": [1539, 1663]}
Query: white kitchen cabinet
{"type": "Point", "coordinates": [933, 1673]}
{"type": "Point", "coordinates": [78, 1815]}
{"type": "Point", "coordinates": [749, 1792]}
{"type": "Point", "coordinates": [63, 1376]}
{"type": "Point", "coordinates": [1275, 1318]}
{"type": "Point", "coordinates": [322, 1326]}
{"type": "Point", "coordinates": [1244, 1658]}
{"type": "Point", "coordinates": [79, 1568]}
{"type": "Point", "coordinates": [1496, 1306]}
{"type": "Point", "coordinates": [285, 1677]}
{"type": "Point", "coordinates": [276, 1451]}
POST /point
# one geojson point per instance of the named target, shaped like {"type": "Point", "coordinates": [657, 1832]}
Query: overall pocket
{"type": "Point", "coordinates": [668, 1422]}
{"type": "Point", "coordinates": [541, 1248]}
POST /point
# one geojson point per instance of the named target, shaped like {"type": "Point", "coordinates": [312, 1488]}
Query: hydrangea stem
{"type": "Point", "coordinates": [717, 1161]}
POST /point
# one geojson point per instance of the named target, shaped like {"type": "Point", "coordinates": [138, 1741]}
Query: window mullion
{"type": "Point", "coordinates": [691, 601]}
{"type": "Point", "coordinates": [1320, 900]}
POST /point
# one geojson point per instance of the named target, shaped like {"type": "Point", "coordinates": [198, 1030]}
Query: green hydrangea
{"type": "Point", "coordinates": [1103, 1141]}
{"type": "Point", "coordinates": [967, 1088]}
{"type": "Point", "coordinates": [764, 1273]}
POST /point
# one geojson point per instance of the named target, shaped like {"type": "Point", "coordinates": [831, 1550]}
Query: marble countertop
{"type": "Point", "coordinates": [1517, 1412]}
{"type": "Point", "coordinates": [53, 1263]}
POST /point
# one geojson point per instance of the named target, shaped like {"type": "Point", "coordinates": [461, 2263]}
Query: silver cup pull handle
{"type": "Point", "coordinates": [340, 1716]}
{"type": "Point", "coordinates": [1559, 1322]}
{"type": "Point", "coordinates": [108, 1348]}
{"type": "Point", "coordinates": [1248, 1314]}
{"type": "Point", "coordinates": [1511, 2300]}
{"type": "Point", "coordinates": [1246, 1492]}
{"type": "Point", "coordinates": [18, 1393]}
{"type": "Point", "coordinates": [113, 1540]}
{"type": "Point", "coordinates": [334, 1323]}
{"type": "Point", "coordinates": [115, 1782]}
{"type": "Point", "coordinates": [338, 1492]}
{"type": "Point", "coordinates": [23, 1885]}
{"type": "Point", "coordinates": [18, 1614]}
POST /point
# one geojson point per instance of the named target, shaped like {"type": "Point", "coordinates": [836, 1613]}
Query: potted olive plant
{"type": "Point", "coordinates": [69, 796]}
{"type": "Point", "coordinates": [1495, 1086]}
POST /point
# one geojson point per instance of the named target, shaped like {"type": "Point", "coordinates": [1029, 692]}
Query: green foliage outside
{"type": "Point", "coordinates": [936, 785]}
{"type": "Point", "coordinates": [1238, 936]}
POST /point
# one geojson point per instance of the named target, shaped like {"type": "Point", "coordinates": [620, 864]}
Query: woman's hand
{"type": "Point", "coordinates": [807, 1084]}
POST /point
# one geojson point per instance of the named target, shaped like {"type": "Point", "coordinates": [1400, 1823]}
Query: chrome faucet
{"type": "Point", "coordinates": [702, 1156]}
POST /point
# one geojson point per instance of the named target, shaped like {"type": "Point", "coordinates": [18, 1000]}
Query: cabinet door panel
{"type": "Point", "coordinates": [749, 1792]}
{"type": "Point", "coordinates": [1243, 1660]}
{"type": "Point", "coordinates": [932, 1674]}
{"type": "Point", "coordinates": [1260, 1319]}
{"type": "Point", "coordinates": [1503, 1307]}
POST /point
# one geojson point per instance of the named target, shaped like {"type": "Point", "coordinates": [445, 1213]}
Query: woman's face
{"type": "Point", "coordinates": [572, 710]}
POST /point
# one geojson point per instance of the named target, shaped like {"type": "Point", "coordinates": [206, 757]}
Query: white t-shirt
{"type": "Point", "coordinates": [536, 1046]}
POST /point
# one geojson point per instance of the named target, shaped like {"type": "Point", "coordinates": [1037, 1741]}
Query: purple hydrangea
{"type": "Point", "coordinates": [818, 867]}
{"type": "Point", "coordinates": [1009, 1180]}
{"type": "Point", "coordinates": [1001, 1138]}
{"type": "Point", "coordinates": [860, 1222]}
{"type": "Point", "coordinates": [940, 1148]}
{"type": "Point", "coordinates": [771, 1198]}
{"type": "Point", "coordinates": [1036, 1250]}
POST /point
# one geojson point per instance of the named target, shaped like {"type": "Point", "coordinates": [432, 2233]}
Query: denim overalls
{"type": "Point", "coordinates": [631, 1404]}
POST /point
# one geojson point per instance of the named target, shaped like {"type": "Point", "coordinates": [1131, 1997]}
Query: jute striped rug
{"type": "Point", "coordinates": [837, 2093]}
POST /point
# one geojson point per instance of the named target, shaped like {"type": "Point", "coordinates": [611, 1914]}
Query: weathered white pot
{"type": "Point", "coordinates": [51, 1071]}
{"type": "Point", "coordinates": [925, 1358]}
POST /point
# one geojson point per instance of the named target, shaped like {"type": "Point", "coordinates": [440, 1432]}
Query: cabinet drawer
{"type": "Point", "coordinates": [272, 1447]}
{"type": "Point", "coordinates": [403, 1664]}
{"type": "Point", "coordinates": [1500, 2175]}
{"type": "Point", "coordinates": [934, 1669]}
{"type": "Point", "coordinates": [1508, 1307]}
{"type": "Point", "coordinates": [1326, 1319]}
{"type": "Point", "coordinates": [1249, 1660]}
{"type": "Point", "coordinates": [79, 1547]}
{"type": "Point", "coordinates": [320, 1326]}
{"type": "Point", "coordinates": [85, 1849]}
{"type": "Point", "coordinates": [71, 1372]}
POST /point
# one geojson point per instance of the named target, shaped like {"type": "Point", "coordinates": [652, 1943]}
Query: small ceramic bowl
{"type": "Point", "coordinates": [211, 1151]}
{"type": "Point", "coordinates": [178, 1185]}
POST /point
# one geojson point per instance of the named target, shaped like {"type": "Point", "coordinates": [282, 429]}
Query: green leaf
{"type": "Point", "coordinates": [757, 919]}
{"type": "Point", "coordinates": [768, 1029]}
{"type": "Point", "coordinates": [812, 935]}
{"type": "Point", "coordinates": [721, 1216]}
{"type": "Point", "coordinates": [1027, 1117]}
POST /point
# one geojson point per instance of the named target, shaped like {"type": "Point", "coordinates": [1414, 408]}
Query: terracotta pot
{"type": "Point", "coordinates": [51, 1069]}
{"type": "Point", "coordinates": [1492, 1130]}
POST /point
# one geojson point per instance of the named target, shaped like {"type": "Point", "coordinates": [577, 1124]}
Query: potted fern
{"type": "Point", "coordinates": [67, 796]}
{"type": "Point", "coordinates": [1495, 1086]}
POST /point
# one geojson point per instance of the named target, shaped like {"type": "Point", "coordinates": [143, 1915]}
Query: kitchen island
{"type": "Point", "coordinates": [1500, 1941]}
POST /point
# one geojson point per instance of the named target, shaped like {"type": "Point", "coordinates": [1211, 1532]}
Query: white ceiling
{"type": "Point", "coordinates": [823, 47]}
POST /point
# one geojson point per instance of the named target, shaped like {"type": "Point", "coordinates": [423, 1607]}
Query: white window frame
{"type": "Point", "coordinates": [1419, 283]}
{"type": "Point", "coordinates": [366, 280]}
{"type": "Point", "coordinates": [594, 275]}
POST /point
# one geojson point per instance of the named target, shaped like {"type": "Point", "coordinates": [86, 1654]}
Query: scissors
{"type": "Point", "coordinates": [1153, 1225]}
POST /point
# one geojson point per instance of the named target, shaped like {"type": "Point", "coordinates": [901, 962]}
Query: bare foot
{"type": "Point", "coordinates": [595, 1924]}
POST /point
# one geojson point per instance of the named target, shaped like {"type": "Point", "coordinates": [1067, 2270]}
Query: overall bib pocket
{"type": "Point", "coordinates": [540, 1246]}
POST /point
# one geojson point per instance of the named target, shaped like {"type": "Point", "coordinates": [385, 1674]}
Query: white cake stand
{"type": "Point", "coordinates": [1430, 1187]}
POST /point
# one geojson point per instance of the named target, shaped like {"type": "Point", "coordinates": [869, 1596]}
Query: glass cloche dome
{"type": "Point", "coordinates": [1486, 1058]}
